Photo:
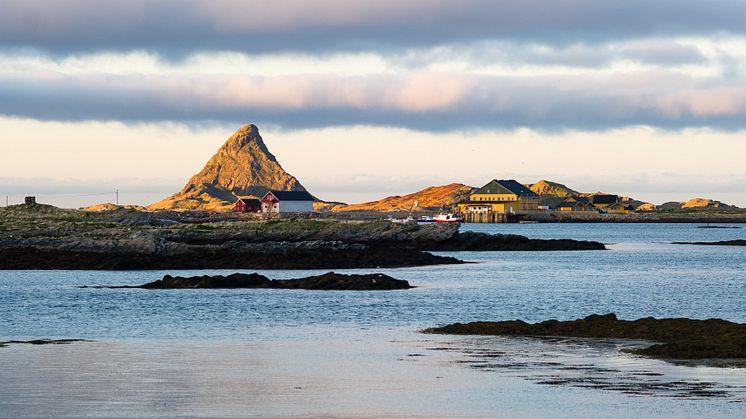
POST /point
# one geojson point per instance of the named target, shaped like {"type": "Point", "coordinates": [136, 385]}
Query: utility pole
{"type": "Point", "coordinates": [117, 196]}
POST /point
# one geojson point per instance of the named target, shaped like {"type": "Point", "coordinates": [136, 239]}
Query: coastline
{"type": "Point", "coordinates": [44, 237]}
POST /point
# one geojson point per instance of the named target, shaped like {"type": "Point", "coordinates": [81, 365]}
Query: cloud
{"type": "Point", "coordinates": [177, 27]}
{"type": "Point", "coordinates": [424, 100]}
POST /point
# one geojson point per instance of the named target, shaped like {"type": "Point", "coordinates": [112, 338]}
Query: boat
{"type": "Point", "coordinates": [448, 218]}
{"type": "Point", "coordinates": [425, 219]}
{"type": "Point", "coordinates": [400, 220]}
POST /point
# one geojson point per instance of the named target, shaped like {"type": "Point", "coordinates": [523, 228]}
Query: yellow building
{"type": "Point", "coordinates": [503, 197]}
{"type": "Point", "coordinates": [610, 204]}
{"type": "Point", "coordinates": [571, 204]}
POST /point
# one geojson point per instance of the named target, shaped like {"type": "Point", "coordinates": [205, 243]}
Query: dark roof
{"type": "Point", "coordinates": [250, 201]}
{"type": "Point", "coordinates": [293, 195]}
{"type": "Point", "coordinates": [604, 199]}
{"type": "Point", "coordinates": [582, 199]}
{"type": "Point", "coordinates": [567, 204]}
{"type": "Point", "coordinates": [505, 187]}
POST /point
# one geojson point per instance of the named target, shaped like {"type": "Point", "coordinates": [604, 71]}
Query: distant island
{"type": "Point", "coordinates": [243, 176]}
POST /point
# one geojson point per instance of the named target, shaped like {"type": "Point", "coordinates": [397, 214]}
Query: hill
{"type": "Point", "coordinates": [428, 198]}
{"type": "Point", "coordinates": [695, 203]}
{"type": "Point", "coordinates": [108, 206]}
{"type": "Point", "coordinates": [545, 187]}
{"type": "Point", "coordinates": [242, 166]}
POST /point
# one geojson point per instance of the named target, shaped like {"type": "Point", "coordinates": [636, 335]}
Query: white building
{"type": "Point", "coordinates": [287, 201]}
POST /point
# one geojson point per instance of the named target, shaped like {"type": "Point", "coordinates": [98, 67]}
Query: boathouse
{"type": "Point", "coordinates": [497, 200]}
{"type": "Point", "coordinates": [287, 201]}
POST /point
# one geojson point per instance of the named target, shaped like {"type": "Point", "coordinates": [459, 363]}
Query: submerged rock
{"type": "Point", "coordinates": [327, 281]}
{"type": "Point", "coordinates": [679, 338]}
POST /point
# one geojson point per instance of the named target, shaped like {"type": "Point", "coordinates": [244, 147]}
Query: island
{"type": "Point", "coordinates": [327, 281]}
{"type": "Point", "coordinates": [36, 236]}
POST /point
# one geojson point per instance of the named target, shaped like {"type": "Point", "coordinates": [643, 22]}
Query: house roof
{"type": "Point", "coordinates": [604, 199]}
{"type": "Point", "coordinates": [567, 204]}
{"type": "Point", "coordinates": [505, 187]}
{"type": "Point", "coordinates": [250, 201]}
{"type": "Point", "coordinates": [293, 195]}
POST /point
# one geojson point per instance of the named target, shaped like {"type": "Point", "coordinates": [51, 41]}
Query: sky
{"type": "Point", "coordinates": [361, 100]}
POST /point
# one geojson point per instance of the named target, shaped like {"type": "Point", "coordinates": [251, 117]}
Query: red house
{"type": "Point", "coordinates": [247, 205]}
{"type": "Point", "coordinates": [287, 201]}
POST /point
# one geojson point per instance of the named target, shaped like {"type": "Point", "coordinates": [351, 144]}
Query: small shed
{"type": "Point", "coordinates": [246, 205]}
{"type": "Point", "coordinates": [287, 201]}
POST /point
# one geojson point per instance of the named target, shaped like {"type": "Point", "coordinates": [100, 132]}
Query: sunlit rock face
{"type": "Point", "coordinates": [243, 166]}
{"type": "Point", "coordinates": [443, 196]}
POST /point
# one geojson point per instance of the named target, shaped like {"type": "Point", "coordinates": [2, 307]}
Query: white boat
{"type": "Point", "coordinates": [400, 220]}
{"type": "Point", "coordinates": [448, 218]}
{"type": "Point", "coordinates": [425, 219]}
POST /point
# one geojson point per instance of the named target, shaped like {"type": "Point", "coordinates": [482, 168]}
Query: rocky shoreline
{"type": "Point", "coordinates": [320, 258]}
{"type": "Point", "coordinates": [45, 237]}
{"type": "Point", "coordinates": [676, 339]}
{"type": "Point", "coordinates": [327, 281]}
{"type": "Point", "coordinates": [470, 241]}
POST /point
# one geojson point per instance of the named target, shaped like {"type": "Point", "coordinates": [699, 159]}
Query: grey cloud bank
{"type": "Point", "coordinates": [175, 27]}
{"type": "Point", "coordinates": [414, 38]}
{"type": "Point", "coordinates": [426, 101]}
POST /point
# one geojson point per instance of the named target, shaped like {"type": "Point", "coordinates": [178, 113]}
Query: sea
{"type": "Point", "coordinates": [285, 353]}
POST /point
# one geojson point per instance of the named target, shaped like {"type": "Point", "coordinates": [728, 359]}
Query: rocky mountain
{"type": "Point", "coordinates": [243, 166]}
{"type": "Point", "coordinates": [429, 198]}
{"type": "Point", "coordinates": [545, 187]}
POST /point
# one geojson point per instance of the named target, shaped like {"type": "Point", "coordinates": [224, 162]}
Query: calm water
{"type": "Point", "coordinates": [288, 352]}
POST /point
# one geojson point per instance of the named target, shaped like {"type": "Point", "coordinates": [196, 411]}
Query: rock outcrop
{"type": "Point", "coordinates": [472, 241]}
{"type": "Point", "coordinates": [695, 204]}
{"type": "Point", "coordinates": [243, 166]}
{"type": "Point", "coordinates": [720, 243]}
{"type": "Point", "coordinates": [434, 197]}
{"type": "Point", "coordinates": [680, 338]}
{"type": "Point", "coordinates": [704, 203]}
{"type": "Point", "coordinates": [327, 281]}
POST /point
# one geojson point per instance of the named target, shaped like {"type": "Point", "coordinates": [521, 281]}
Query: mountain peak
{"type": "Point", "coordinates": [242, 166]}
{"type": "Point", "coordinates": [248, 129]}
{"type": "Point", "coordinates": [243, 137]}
